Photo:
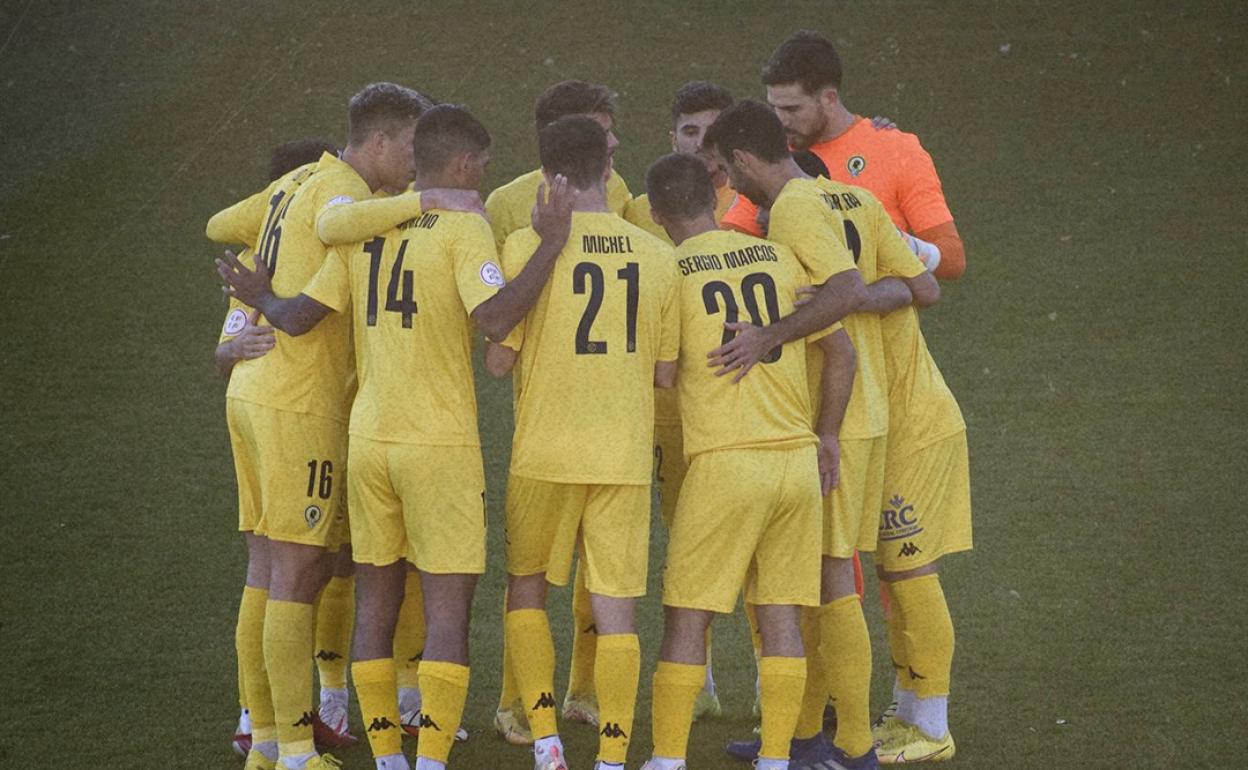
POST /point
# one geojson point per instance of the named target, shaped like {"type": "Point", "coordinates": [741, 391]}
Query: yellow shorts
{"type": "Point", "coordinates": [612, 521]}
{"type": "Point", "coordinates": [746, 517]}
{"type": "Point", "coordinates": [927, 505]}
{"type": "Point", "coordinates": [850, 517]}
{"type": "Point", "coordinates": [425, 504]}
{"type": "Point", "coordinates": [291, 470]}
{"type": "Point", "coordinates": [669, 467]}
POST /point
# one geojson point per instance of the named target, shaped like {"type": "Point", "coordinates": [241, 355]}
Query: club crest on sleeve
{"type": "Point", "coordinates": [235, 322]}
{"type": "Point", "coordinates": [340, 199]}
{"type": "Point", "coordinates": [856, 165]}
{"type": "Point", "coordinates": [491, 275]}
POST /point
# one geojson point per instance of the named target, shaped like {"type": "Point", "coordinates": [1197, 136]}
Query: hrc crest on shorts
{"type": "Point", "coordinates": [856, 165]}
{"type": "Point", "coordinates": [312, 515]}
{"type": "Point", "coordinates": [900, 520]}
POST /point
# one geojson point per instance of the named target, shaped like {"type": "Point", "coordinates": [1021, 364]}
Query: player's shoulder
{"type": "Point", "coordinates": [522, 186]}
{"type": "Point", "coordinates": [637, 207]}
{"type": "Point", "coordinates": [854, 195]}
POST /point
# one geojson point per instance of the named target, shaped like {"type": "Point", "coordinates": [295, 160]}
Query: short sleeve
{"type": "Point", "coordinates": [919, 193]}
{"type": "Point", "coordinates": [236, 320]}
{"type": "Point", "coordinates": [478, 275]}
{"type": "Point", "coordinates": [344, 188]}
{"type": "Point", "coordinates": [517, 250]}
{"type": "Point", "coordinates": [801, 223]}
{"type": "Point", "coordinates": [331, 286]}
{"type": "Point", "coordinates": [669, 335]}
{"type": "Point", "coordinates": [893, 256]}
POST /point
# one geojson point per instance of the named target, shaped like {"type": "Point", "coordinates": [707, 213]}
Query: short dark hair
{"type": "Point", "coordinates": [445, 132]}
{"type": "Point", "coordinates": [751, 126]}
{"type": "Point", "coordinates": [572, 97]}
{"type": "Point", "coordinates": [806, 58]}
{"type": "Point", "coordinates": [811, 163]}
{"type": "Point", "coordinates": [679, 186]}
{"type": "Point", "coordinates": [699, 96]}
{"type": "Point", "coordinates": [575, 146]}
{"type": "Point", "coordinates": [381, 107]}
{"type": "Point", "coordinates": [289, 156]}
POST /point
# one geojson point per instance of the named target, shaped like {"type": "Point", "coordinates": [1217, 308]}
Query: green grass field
{"type": "Point", "coordinates": [1092, 154]}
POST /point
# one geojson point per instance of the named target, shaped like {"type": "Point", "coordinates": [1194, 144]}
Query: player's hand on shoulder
{"type": "Point", "coordinates": [805, 294]}
{"type": "Point", "coordinates": [448, 199]}
{"type": "Point", "coordinates": [249, 286]}
{"type": "Point", "coordinates": [747, 347]}
{"type": "Point", "coordinates": [880, 123]}
{"type": "Point", "coordinates": [254, 340]}
{"type": "Point", "coordinates": [552, 212]}
{"type": "Point", "coordinates": [829, 463]}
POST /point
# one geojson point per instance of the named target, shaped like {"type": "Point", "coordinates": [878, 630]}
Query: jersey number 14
{"type": "Point", "coordinates": [401, 292]}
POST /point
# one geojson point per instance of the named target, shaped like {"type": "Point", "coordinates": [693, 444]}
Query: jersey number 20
{"type": "Point", "coordinates": [718, 296]}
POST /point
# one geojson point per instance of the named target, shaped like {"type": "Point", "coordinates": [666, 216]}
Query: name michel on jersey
{"type": "Point", "coordinates": [606, 244]}
{"type": "Point", "coordinates": [739, 258]}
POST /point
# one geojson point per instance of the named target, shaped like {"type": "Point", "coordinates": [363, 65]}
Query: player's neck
{"type": "Point", "coordinates": [681, 230]}
{"type": "Point", "coordinates": [356, 159]}
{"type": "Point", "coordinates": [593, 199]}
{"type": "Point", "coordinates": [840, 120]}
{"type": "Point", "coordinates": [434, 182]}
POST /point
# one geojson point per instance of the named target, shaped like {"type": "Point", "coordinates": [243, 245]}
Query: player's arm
{"type": "Point", "coordinates": [239, 223]}
{"type": "Point", "coordinates": [294, 315]}
{"type": "Point", "coordinates": [839, 362]}
{"type": "Point", "coordinates": [552, 221]}
{"type": "Point", "coordinates": [361, 220]}
{"type": "Point", "coordinates": [840, 295]}
{"type": "Point", "coordinates": [941, 250]}
{"type": "Point", "coordinates": [922, 202]}
{"type": "Point", "coordinates": [499, 359]}
{"type": "Point", "coordinates": [252, 342]}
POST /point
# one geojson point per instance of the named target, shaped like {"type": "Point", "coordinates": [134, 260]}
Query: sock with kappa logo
{"type": "Point", "coordinates": [845, 651]}
{"type": "Point", "coordinates": [444, 689]}
{"type": "Point", "coordinates": [929, 640]}
{"type": "Point", "coordinates": [617, 668]}
{"type": "Point", "coordinates": [288, 641]}
{"type": "Point", "coordinates": [335, 619]}
{"type": "Point", "coordinates": [533, 661]}
{"type": "Point", "coordinates": [249, 642]}
{"type": "Point", "coordinates": [379, 705]}
{"type": "Point", "coordinates": [815, 692]}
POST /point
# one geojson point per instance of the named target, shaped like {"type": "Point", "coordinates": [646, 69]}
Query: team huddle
{"type": "Point", "coordinates": [745, 336]}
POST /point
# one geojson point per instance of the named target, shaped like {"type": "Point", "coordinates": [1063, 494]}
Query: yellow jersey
{"type": "Point", "coordinates": [510, 207]}
{"type": "Point", "coordinates": [411, 292]}
{"type": "Point", "coordinates": [247, 222]}
{"type": "Point", "coordinates": [314, 373]}
{"type": "Point", "coordinates": [638, 211]}
{"type": "Point", "coordinates": [585, 374]}
{"type": "Point", "coordinates": [815, 217]}
{"type": "Point", "coordinates": [921, 408]}
{"type": "Point", "coordinates": [726, 277]}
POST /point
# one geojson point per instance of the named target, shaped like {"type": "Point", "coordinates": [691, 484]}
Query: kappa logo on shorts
{"type": "Point", "coordinates": [856, 164]}
{"type": "Point", "coordinates": [312, 515]}
{"type": "Point", "coordinates": [909, 549]}
{"type": "Point", "coordinates": [900, 521]}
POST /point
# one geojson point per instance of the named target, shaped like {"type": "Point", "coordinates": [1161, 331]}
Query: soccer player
{"type": "Point", "coordinates": [242, 338]}
{"type": "Point", "coordinates": [816, 217]}
{"type": "Point", "coordinates": [417, 486]}
{"type": "Point", "coordinates": [760, 527]}
{"type": "Point", "coordinates": [288, 409]}
{"type": "Point", "coordinates": [803, 80]}
{"type": "Point", "coordinates": [694, 107]}
{"type": "Point", "coordinates": [508, 208]}
{"type": "Point", "coordinates": [602, 334]}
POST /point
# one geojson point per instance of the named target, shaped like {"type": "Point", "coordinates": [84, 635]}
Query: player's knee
{"type": "Point", "coordinates": [837, 579]}
{"type": "Point", "coordinates": [526, 592]}
{"type": "Point", "coordinates": [613, 615]}
{"type": "Point", "coordinates": [897, 577]}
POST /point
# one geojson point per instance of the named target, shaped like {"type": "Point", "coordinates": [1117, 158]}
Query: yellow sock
{"type": "Point", "coordinates": [897, 640]}
{"type": "Point", "coordinates": [510, 692]}
{"type": "Point", "coordinates": [780, 681]}
{"type": "Point", "coordinates": [288, 630]}
{"type": "Point", "coordinates": [815, 694]}
{"type": "Point", "coordinates": [409, 633]}
{"type": "Point", "coordinates": [675, 689]}
{"type": "Point", "coordinates": [379, 704]}
{"type": "Point", "coordinates": [846, 652]}
{"type": "Point", "coordinates": [533, 661]}
{"type": "Point", "coordinates": [444, 688]}
{"type": "Point", "coordinates": [928, 634]}
{"type": "Point", "coordinates": [584, 639]}
{"type": "Point", "coordinates": [617, 668]}
{"type": "Point", "coordinates": [335, 619]}
{"type": "Point", "coordinates": [249, 641]}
